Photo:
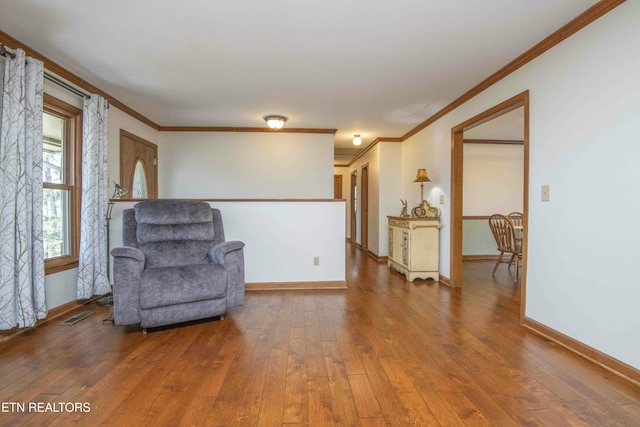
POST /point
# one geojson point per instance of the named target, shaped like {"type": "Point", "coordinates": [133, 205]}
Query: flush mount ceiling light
{"type": "Point", "coordinates": [274, 121]}
{"type": "Point", "coordinates": [356, 139]}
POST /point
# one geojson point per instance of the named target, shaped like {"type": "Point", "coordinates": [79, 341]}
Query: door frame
{"type": "Point", "coordinates": [520, 100]}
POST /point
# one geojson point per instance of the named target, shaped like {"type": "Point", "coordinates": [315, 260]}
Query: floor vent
{"type": "Point", "coordinates": [78, 317]}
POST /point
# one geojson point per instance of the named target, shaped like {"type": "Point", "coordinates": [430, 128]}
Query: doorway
{"type": "Point", "coordinates": [364, 208]}
{"type": "Point", "coordinates": [354, 205]}
{"type": "Point", "coordinates": [457, 140]}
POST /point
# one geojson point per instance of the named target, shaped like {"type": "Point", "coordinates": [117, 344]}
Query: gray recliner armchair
{"type": "Point", "coordinates": [175, 265]}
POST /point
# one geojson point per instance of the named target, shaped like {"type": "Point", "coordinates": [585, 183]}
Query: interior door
{"type": "Point", "coordinates": [337, 187]}
{"type": "Point", "coordinates": [138, 166]}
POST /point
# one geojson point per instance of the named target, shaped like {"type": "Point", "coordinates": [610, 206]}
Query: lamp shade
{"type": "Point", "coordinates": [119, 191]}
{"type": "Point", "coordinates": [421, 176]}
{"type": "Point", "coordinates": [356, 139]}
{"type": "Point", "coordinates": [275, 122]}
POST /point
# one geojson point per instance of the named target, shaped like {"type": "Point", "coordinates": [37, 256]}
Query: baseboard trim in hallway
{"type": "Point", "coordinates": [628, 373]}
{"type": "Point", "coordinates": [287, 286]}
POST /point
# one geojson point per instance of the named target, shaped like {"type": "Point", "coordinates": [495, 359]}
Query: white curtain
{"type": "Point", "coordinates": [92, 262]}
{"type": "Point", "coordinates": [22, 298]}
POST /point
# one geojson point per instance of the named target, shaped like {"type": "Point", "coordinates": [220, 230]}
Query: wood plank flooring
{"type": "Point", "coordinates": [384, 352]}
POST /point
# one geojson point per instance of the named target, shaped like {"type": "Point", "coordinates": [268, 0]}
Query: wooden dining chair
{"type": "Point", "coordinates": [502, 230]}
{"type": "Point", "coordinates": [516, 218]}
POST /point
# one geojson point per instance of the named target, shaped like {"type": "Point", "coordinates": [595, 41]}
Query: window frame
{"type": "Point", "coordinates": [72, 173]}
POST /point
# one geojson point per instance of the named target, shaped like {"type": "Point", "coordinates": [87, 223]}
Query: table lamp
{"type": "Point", "coordinates": [422, 177]}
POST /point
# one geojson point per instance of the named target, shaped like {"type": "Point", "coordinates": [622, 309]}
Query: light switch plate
{"type": "Point", "coordinates": [442, 199]}
{"type": "Point", "coordinates": [546, 196]}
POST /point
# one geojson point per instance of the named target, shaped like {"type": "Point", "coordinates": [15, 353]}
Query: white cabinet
{"type": "Point", "coordinates": [414, 247]}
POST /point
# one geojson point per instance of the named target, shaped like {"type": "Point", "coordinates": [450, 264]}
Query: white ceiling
{"type": "Point", "coordinates": [376, 68]}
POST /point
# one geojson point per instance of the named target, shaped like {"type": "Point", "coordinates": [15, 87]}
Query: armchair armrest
{"type": "Point", "coordinates": [128, 264]}
{"type": "Point", "coordinates": [218, 253]}
{"type": "Point", "coordinates": [231, 255]}
{"type": "Point", "coordinates": [128, 252]}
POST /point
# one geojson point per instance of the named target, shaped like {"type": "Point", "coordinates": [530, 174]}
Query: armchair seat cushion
{"type": "Point", "coordinates": [164, 286]}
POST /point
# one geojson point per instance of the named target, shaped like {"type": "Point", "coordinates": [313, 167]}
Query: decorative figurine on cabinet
{"type": "Point", "coordinates": [425, 210]}
{"type": "Point", "coordinates": [403, 212]}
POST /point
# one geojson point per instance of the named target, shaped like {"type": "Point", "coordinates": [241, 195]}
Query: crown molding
{"type": "Point", "coordinates": [67, 75]}
{"type": "Point", "coordinates": [373, 144]}
{"type": "Point", "coordinates": [243, 129]}
{"type": "Point", "coordinates": [587, 17]}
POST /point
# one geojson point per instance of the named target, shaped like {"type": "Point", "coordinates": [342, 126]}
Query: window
{"type": "Point", "coordinates": [62, 133]}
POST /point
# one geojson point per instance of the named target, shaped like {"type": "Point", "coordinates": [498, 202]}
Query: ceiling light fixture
{"type": "Point", "coordinates": [356, 139]}
{"type": "Point", "coordinates": [274, 121]}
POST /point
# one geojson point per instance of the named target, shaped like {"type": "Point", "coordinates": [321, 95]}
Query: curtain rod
{"type": "Point", "coordinates": [5, 51]}
{"type": "Point", "coordinates": [65, 85]}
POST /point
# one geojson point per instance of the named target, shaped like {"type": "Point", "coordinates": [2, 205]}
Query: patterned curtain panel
{"type": "Point", "coordinates": [22, 298]}
{"type": "Point", "coordinates": [92, 263]}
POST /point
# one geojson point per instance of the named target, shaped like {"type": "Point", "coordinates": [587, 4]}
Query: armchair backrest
{"type": "Point", "coordinates": [172, 232]}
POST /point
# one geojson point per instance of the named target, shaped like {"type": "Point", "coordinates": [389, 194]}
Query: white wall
{"type": "Point", "coordinates": [245, 165]}
{"type": "Point", "coordinates": [584, 109]}
{"type": "Point", "coordinates": [281, 238]}
{"type": "Point", "coordinates": [508, 126]}
{"type": "Point", "coordinates": [586, 147]}
{"type": "Point", "coordinates": [477, 238]}
{"type": "Point", "coordinates": [493, 179]}
{"type": "Point", "coordinates": [390, 182]}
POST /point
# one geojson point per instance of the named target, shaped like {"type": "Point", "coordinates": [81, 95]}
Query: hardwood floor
{"type": "Point", "coordinates": [383, 352]}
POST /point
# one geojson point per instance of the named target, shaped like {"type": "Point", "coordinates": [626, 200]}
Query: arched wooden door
{"type": "Point", "coordinates": [138, 166]}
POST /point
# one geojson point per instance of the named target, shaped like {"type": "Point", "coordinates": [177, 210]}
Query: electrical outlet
{"type": "Point", "coordinates": [546, 195]}
{"type": "Point", "coordinates": [316, 260]}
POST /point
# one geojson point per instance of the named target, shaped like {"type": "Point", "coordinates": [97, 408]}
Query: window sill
{"type": "Point", "coordinates": [59, 264]}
